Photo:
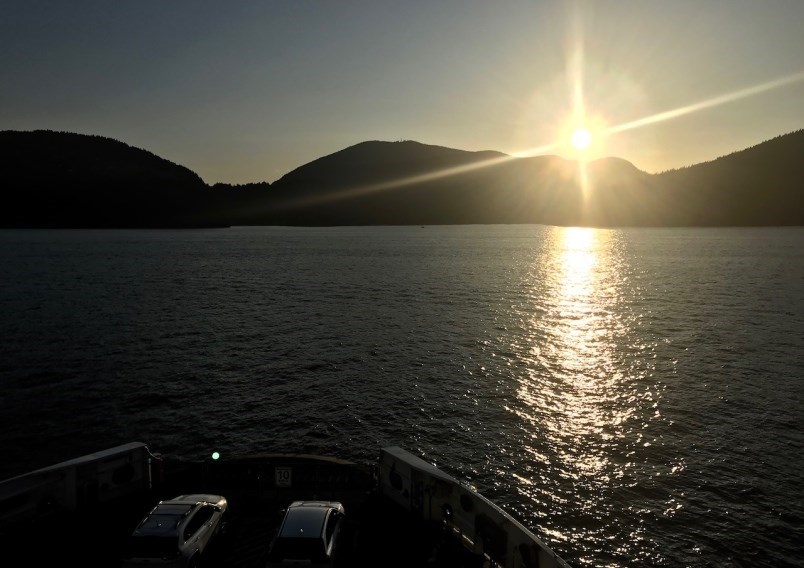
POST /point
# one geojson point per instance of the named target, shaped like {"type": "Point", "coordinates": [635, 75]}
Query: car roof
{"type": "Point", "coordinates": [163, 520]}
{"type": "Point", "coordinates": [303, 522]}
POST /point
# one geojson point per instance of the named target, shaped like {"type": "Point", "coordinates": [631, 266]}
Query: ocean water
{"type": "Point", "coordinates": [635, 396]}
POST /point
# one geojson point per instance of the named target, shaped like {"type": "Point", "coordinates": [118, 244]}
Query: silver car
{"type": "Point", "coordinates": [177, 532]}
{"type": "Point", "coordinates": [308, 534]}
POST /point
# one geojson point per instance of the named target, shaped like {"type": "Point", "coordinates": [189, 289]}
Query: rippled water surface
{"type": "Point", "coordinates": [632, 396]}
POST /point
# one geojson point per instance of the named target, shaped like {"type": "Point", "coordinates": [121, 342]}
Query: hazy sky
{"type": "Point", "coordinates": [247, 91]}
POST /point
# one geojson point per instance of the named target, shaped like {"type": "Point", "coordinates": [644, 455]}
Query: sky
{"type": "Point", "coordinates": [246, 91]}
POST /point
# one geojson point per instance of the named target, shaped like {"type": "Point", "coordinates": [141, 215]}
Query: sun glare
{"type": "Point", "coordinates": [581, 138]}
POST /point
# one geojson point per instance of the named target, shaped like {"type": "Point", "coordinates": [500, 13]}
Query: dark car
{"type": "Point", "coordinates": [177, 532]}
{"type": "Point", "coordinates": [308, 534]}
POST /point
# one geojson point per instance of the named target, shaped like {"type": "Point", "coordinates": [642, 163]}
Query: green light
{"type": "Point", "coordinates": [215, 455]}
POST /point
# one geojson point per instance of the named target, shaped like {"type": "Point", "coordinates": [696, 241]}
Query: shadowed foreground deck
{"type": "Point", "coordinates": [401, 511]}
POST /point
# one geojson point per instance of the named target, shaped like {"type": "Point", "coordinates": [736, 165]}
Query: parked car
{"type": "Point", "coordinates": [308, 534]}
{"type": "Point", "coordinates": [177, 532]}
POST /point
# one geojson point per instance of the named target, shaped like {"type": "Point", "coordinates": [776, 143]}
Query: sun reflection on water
{"type": "Point", "coordinates": [572, 397]}
{"type": "Point", "coordinates": [585, 398]}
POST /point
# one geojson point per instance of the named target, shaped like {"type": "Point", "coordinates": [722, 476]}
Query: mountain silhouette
{"type": "Point", "coordinates": [413, 183]}
{"type": "Point", "coordinates": [761, 185]}
{"type": "Point", "coordinates": [62, 179]}
{"type": "Point", "coordinates": [56, 179]}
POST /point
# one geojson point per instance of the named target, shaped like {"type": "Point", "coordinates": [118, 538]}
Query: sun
{"type": "Point", "coordinates": [581, 138]}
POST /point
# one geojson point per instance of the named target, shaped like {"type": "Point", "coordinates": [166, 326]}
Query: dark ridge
{"type": "Point", "coordinates": [62, 179]}
{"type": "Point", "coordinates": [760, 185]}
{"type": "Point", "coordinates": [376, 160]}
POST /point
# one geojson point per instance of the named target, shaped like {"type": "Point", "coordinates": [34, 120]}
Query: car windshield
{"type": "Point", "coordinates": [152, 547]}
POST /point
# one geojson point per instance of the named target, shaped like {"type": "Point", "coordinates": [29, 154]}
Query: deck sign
{"type": "Point", "coordinates": [283, 476]}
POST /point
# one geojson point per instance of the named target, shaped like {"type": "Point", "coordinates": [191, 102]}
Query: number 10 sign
{"type": "Point", "coordinates": [283, 476]}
